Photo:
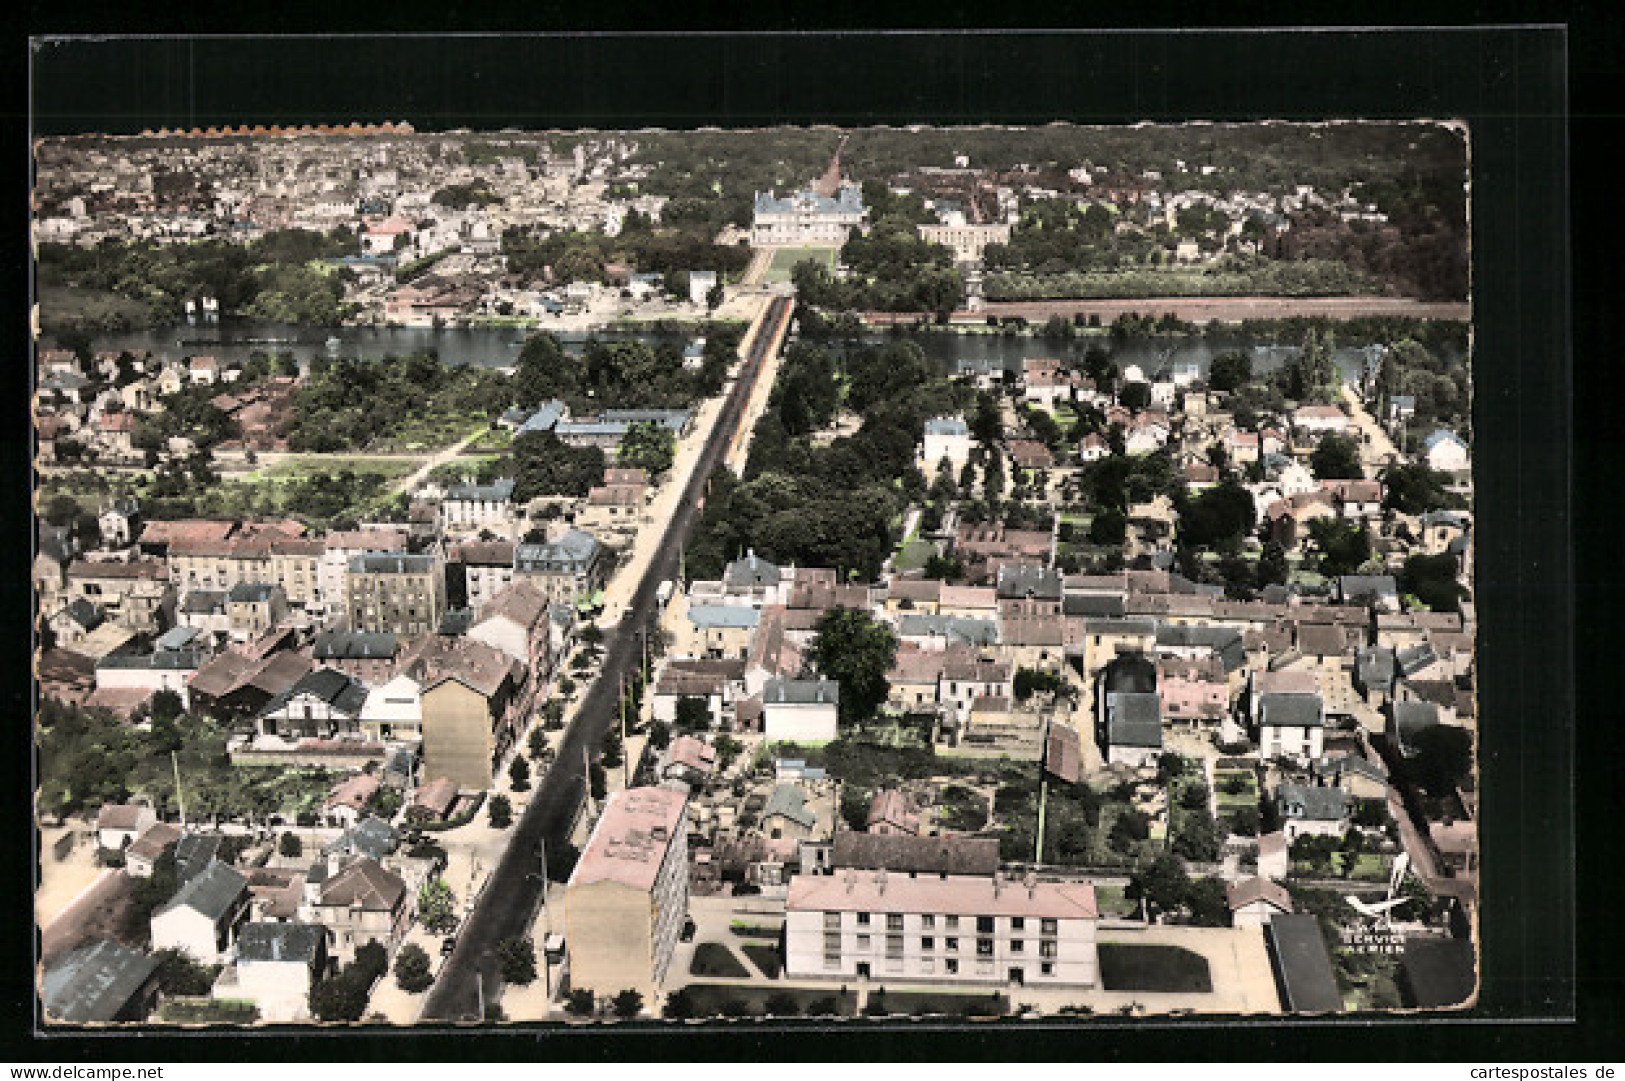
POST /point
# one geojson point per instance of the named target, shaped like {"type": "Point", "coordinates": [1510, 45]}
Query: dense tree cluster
{"type": "Point", "coordinates": [920, 286]}
{"type": "Point", "coordinates": [572, 256]}
{"type": "Point", "coordinates": [543, 464]}
{"type": "Point", "coordinates": [619, 374]}
{"type": "Point", "coordinates": [856, 651]}
{"type": "Point", "coordinates": [349, 404]}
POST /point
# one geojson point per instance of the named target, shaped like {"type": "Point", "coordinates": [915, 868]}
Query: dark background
{"type": "Point", "coordinates": [1509, 84]}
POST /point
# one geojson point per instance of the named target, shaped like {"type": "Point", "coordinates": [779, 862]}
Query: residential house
{"type": "Point", "coordinates": [357, 902]}
{"type": "Point", "coordinates": [347, 800]}
{"type": "Point", "coordinates": [690, 760]}
{"type": "Point", "coordinates": [1291, 726]}
{"type": "Point", "coordinates": [203, 916]}
{"type": "Point", "coordinates": [366, 656]}
{"type": "Point", "coordinates": [718, 682]}
{"type": "Point", "coordinates": [1376, 591]}
{"type": "Point", "coordinates": [253, 608]}
{"type": "Point", "coordinates": [1446, 452]}
{"type": "Point", "coordinates": [1128, 712]}
{"type": "Point", "coordinates": [339, 547]}
{"type": "Point", "coordinates": [627, 898]}
{"type": "Point", "coordinates": [135, 594]}
{"type": "Point", "coordinates": [119, 824]}
{"type": "Point", "coordinates": [787, 814]}
{"type": "Point", "coordinates": [570, 569]}
{"type": "Point", "coordinates": [148, 848]}
{"type": "Point", "coordinates": [612, 507]}
{"type": "Point", "coordinates": [1320, 420]}
{"type": "Point", "coordinates": [800, 710]}
{"type": "Point", "coordinates": [471, 507]}
{"type": "Point", "coordinates": [723, 630]}
{"type": "Point", "coordinates": [1255, 901]}
{"type": "Point", "coordinates": [1311, 810]}
{"type": "Point", "coordinates": [277, 964]}
{"type": "Point", "coordinates": [945, 438]}
{"type": "Point", "coordinates": [323, 703]}
{"type": "Point", "coordinates": [891, 811]}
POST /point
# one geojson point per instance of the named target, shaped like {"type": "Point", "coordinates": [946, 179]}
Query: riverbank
{"type": "Point", "coordinates": [1199, 309]}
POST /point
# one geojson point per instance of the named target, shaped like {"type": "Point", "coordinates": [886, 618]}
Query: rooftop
{"type": "Point", "coordinates": [629, 843]}
{"type": "Point", "coordinates": [961, 895]}
{"type": "Point", "coordinates": [95, 982]}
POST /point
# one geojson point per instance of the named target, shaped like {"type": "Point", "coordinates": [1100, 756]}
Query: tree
{"type": "Point", "coordinates": [178, 974]}
{"type": "Point", "coordinates": [412, 973]}
{"type": "Point", "coordinates": [1108, 527]}
{"type": "Point", "coordinates": [1417, 489]}
{"type": "Point", "coordinates": [516, 961]}
{"type": "Point", "coordinates": [437, 906]}
{"type": "Point", "coordinates": [597, 783]}
{"type": "Point", "coordinates": [1164, 885]}
{"type": "Point", "coordinates": [500, 812]}
{"type": "Point", "coordinates": [628, 1004]}
{"type": "Point", "coordinates": [1343, 546]}
{"type": "Point", "coordinates": [713, 297]}
{"type": "Point", "coordinates": [537, 743]}
{"type": "Point", "coordinates": [1336, 457]}
{"type": "Point", "coordinates": [1199, 838]}
{"type": "Point", "coordinates": [1432, 580]}
{"type": "Point", "coordinates": [1444, 757]}
{"type": "Point", "coordinates": [649, 446]}
{"type": "Point", "coordinates": [1230, 371]}
{"type": "Point", "coordinates": [371, 960]}
{"type": "Point", "coordinates": [676, 283]}
{"type": "Point", "coordinates": [581, 1001]}
{"type": "Point", "coordinates": [1135, 395]}
{"type": "Point", "coordinates": [1208, 902]}
{"type": "Point", "coordinates": [1128, 830]}
{"type": "Point", "coordinates": [856, 651]}
{"type": "Point", "coordinates": [519, 774]}
{"type": "Point", "coordinates": [290, 845]}
{"type": "Point", "coordinates": [727, 749]}
{"type": "Point", "coordinates": [341, 997]}
{"type": "Point", "coordinates": [166, 705]}
{"type": "Point", "coordinates": [612, 751]}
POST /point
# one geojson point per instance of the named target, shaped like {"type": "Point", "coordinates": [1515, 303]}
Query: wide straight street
{"type": "Point", "coordinates": [507, 906]}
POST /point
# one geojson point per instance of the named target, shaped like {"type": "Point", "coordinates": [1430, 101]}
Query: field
{"type": "Point", "coordinates": [304, 466]}
{"type": "Point", "coordinates": [1138, 966]}
{"type": "Point", "coordinates": [785, 259]}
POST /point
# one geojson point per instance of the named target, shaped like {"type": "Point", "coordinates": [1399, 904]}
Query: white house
{"type": "Point", "coordinates": [119, 824]}
{"type": "Point", "coordinates": [393, 711]}
{"type": "Point", "coordinates": [945, 437]}
{"type": "Point", "coordinates": [1254, 901]}
{"type": "Point", "coordinates": [1291, 726]}
{"type": "Point", "coordinates": [1447, 452]}
{"type": "Point", "coordinates": [1320, 419]}
{"type": "Point", "coordinates": [276, 965]}
{"type": "Point", "coordinates": [204, 914]}
{"type": "Point", "coordinates": [473, 506]}
{"type": "Point", "coordinates": [800, 710]}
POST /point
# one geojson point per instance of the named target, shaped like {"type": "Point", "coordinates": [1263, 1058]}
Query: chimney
{"type": "Point", "coordinates": [851, 879]}
{"type": "Point", "coordinates": [880, 881]}
{"type": "Point", "coordinates": [1031, 882]}
{"type": "Point", "coordinates": [998, 884]}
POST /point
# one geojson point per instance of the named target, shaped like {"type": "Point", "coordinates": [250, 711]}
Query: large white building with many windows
{"type": "Point", "coordinates": [807, 217]}
{"type": "Point", "coordinates": [958, 928]}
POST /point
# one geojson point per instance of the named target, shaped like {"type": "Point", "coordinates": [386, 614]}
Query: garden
{"type": "Point", "coordinates": [1145, 966]}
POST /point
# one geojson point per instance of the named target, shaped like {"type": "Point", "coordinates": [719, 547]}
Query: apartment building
{"type": "Point", "coordinates": [958, 928]}
{"type": "Point", "coordinates": [627, 898]}
{"type": "Point", "coordinates": [397, 594]}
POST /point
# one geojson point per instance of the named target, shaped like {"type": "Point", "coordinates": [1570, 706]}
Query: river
{"type": "Point", "coordinates": [497, 347]}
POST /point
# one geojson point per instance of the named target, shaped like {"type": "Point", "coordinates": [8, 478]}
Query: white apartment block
{"type": "Point", "coordinates": [956, 928]}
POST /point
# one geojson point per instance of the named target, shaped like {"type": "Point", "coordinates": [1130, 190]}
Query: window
{"type": "Point", "coordinates": [1046, 969]}
{"type": "Point", "coordinates": [1017, 923]}
{"type": "Point", "coordinates": [1046, 949]}
{"type": "Point", "coordinates": [832, 960]}
{"type": "Point", "coordinates": [950, 967]}
{"type": "Point", "coordinates": [1048, 926]}
{"type": "Point", "coordinates": [831, 919]}
{"type": "Point", "coordinates": [1017, 946]}
{"type": "Point", "coordinates": [950, 944]}
{"type": "Point", "coordinates": [928, 922]}
{"type": "Point", "coordinates": [984, 925]}
{"type": "Point", "coordinates": [984, 947]}
{"type": "Point", "coordinates": [894, 945]}
{"type": "Point", "coordinates": [894, 922]}
{"type": "Point", "coordinates": [863, 919]}
{"type": "Point", "coordinates": [832, 942]}
{"type": "Point", "coordinates": [928, 943]}
{"type": "Point", "coordinates": [950, 922]}
{"type": "Point", "coordinates": [863, 942]}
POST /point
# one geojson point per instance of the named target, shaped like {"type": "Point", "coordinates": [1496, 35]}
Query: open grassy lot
{"type": "Point", "coordinates": [715, 959]}
{"type": "Point", "coordinates": [1144, 966]}
{"type": "Point", "coordinates": [302, 466]}
{"type": "Point", "coordinates": [785, 259]}
{"type": "Point", "coordinates": [914, 555]}
{"type": "Point", "coordinates": [765, 956]}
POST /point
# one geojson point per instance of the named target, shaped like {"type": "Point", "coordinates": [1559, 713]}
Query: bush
{"type": "Point", "coordinates": [290, 846]}
{"type": "Point", "coordinates": [412, 973]}
{"type": "Point", "coordinates": [581, 1001]}
{"type": "Point", "coordinates": [680, 1005]}
{"type": "Point", "coordinates": [628, 1004]}
{"type": "Point", "coordinates": [500, 812]}
{"type": "Point", "coordinates": [780, 1004]}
